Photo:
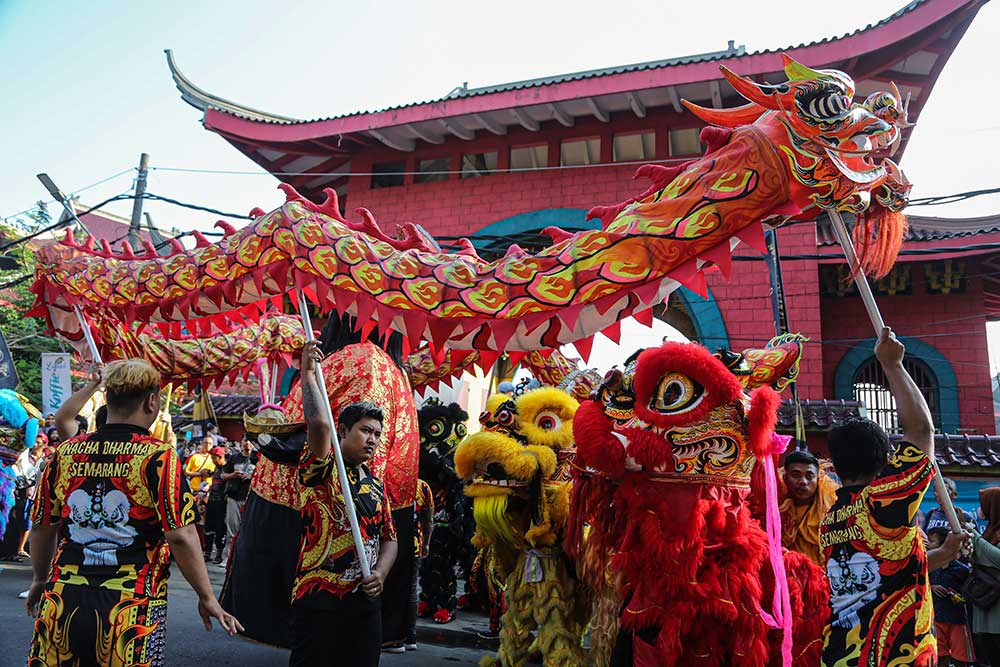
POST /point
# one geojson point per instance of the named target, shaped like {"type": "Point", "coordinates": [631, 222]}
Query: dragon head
{"type": "Point", "coordinates": [442, 427]}
{"type": "Point", "coordinates": [827, 136]}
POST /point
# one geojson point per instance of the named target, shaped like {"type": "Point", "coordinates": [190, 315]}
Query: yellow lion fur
{"type": "Point", "coordinates": [547, 615]}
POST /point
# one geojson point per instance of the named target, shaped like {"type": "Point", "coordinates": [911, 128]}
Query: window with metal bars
{"type": "Point", "coordinates": [871, 387]}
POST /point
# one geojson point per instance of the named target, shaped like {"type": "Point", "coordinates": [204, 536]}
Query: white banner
{"type": "Point", "coordinates": [56, 382]}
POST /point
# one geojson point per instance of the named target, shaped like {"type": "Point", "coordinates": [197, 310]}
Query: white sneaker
{"type": "Point", "coordinates": [393, 649]}
{"type": "Point", "coordinates": [410, 647]}
{"type": "Point", "coordinates": [23, 595]}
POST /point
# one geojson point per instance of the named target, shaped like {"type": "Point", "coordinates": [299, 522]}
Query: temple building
{"type": "Point", "coordinates": [499, 163]}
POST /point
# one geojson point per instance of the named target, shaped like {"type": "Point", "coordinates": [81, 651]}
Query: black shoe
{"type": "Point", "coordinates": [489, 634]}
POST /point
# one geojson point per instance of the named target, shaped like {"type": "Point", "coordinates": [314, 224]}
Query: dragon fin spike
{"type": "Point", "coordinates": [331, 205]}
{"type": "Point", "coordinates": [226, 228]}
{"type": "Point", "coordinates": [291, 194]}
{"type": "Point", "coordinates": [199, 239]}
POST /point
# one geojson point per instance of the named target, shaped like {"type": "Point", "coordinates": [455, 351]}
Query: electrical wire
{"type": "Point", "coordinates": [197, 207]}
{"type": "Point", "coordinates": [442, 172]}
{"type": "Point", "coordinates": [951, 199]}
{"type": "Point", "coordinates": [62, 222]}
{"type": "Point", "coordinates": [72, 192]}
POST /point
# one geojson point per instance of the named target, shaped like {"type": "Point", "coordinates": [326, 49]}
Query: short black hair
{"type": "Point", "coordinates": [101, 416]}
{"type": "Point", "coordinates": [82, 423]}
{"type": "Point", "coordinates": [802, 456]}
{"type": "Point", "coordinates": [938, 531]}
{"type": "Point", "coordinates": [859, 448]}
{"type": "Point", "coordinates": [355, 412]}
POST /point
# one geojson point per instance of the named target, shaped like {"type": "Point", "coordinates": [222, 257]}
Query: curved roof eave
{"type": "Point", "coordinates": [203, 100]}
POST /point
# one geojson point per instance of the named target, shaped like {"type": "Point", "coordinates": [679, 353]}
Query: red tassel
{"type": "Point", "coordinates": [878, 237]}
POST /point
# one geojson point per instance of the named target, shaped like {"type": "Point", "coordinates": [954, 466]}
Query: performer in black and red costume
{"type": "Point", "coordinates": [442, 427]}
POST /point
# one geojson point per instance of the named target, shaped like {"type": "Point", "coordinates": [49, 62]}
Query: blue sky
{"type": "Point", "coordinates": [86, 87]}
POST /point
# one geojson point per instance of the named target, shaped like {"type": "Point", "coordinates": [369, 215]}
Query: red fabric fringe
{"type": "Point", "coordinates": [878, 236]}
{"type": "Point", "coordinates": [763, 417]}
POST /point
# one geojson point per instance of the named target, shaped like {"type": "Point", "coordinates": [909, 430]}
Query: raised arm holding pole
{"type": "Point", "coordinates": [900, 383]}
{"type": "Point", "coordinates": [327, 412]}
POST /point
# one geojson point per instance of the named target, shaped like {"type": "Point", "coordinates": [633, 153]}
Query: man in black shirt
{"type": "Point", "coordinates": [237, 473]}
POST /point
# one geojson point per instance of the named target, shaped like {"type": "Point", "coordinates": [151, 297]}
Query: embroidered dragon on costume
{"type": "Point", "coordinates": [797, 146]}
{"type": "Point", "coordinates": [660, 523]}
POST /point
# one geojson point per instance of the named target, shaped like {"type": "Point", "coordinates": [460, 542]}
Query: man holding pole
{"type": "Point", "coordinates": [336, 612]}
{"type": "Point", "coordinates": [880, 598]}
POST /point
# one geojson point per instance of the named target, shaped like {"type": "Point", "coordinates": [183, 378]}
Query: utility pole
{"type": "Point", "coordinates": [140, 190]}
{"type": "Point", "coordinates": [779, 310]}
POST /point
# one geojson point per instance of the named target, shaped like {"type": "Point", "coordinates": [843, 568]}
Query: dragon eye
{"type": "Point", "coordinates": [824, 103]}
{"type": "Point", "coordinates": [548, 420]}
{"type": "Point", "coordinates": [676, 393]}
{"type": "Point", "coordinates": [436, 427]}
{"type": "Point", "coordinates": [461, 431]}
{"type": "Point", "coordinates": [484, 416]}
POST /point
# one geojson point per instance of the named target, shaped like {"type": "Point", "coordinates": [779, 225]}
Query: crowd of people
{"type": "Point", "coordinates": [107, 507]}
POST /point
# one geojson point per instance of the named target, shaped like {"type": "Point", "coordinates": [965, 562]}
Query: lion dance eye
{"type": "Point", "coordinates": [436, 427]}
{"type": "Point", "coordinates": [548, 421]}
{"type": "Point", "coordinates": [505, 417]}
{"type": "Point", "coordinates": [461, 431]}
{"type": "Point", "coordinates": [484, 416]}
{"type": "Point", "coordinates": [675, 394]}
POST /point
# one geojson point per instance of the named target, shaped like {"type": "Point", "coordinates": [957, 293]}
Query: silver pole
{"type": "Point", "coordinates": [87, 335]}
{"type": "Point", "coordinates": [865, 290]}
{"type": "Point", "coordinates": [345, 485]}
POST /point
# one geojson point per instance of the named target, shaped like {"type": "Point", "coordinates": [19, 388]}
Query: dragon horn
{"type": "Point", "coordinates": [796, 71]}
{"type": "Point", "coordinates": [744, 115]}
{"type": "Point", "coordinates": [763, 95]}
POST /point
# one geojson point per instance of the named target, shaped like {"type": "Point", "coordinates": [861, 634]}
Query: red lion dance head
{"type": "Point", "coordinates": [666, 450]}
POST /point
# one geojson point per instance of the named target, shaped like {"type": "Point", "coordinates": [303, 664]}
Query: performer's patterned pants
{"type": "Point", "coordinates": [80, 626]}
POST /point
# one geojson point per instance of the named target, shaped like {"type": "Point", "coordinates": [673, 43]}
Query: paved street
{"type": "Point", "coordinates": [187, 641]}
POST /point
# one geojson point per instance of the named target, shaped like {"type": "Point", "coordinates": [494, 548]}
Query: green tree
{"type": "Point", "coordinates": [25, 336]}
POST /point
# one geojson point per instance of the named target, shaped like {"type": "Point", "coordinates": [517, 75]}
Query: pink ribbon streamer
{"type": "Point", "coordinates": [781, 606]}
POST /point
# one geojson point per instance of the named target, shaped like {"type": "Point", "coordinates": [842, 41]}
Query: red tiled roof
{"type": "Point", "coordinates": [922, 228]}
{"type": "Point", "coordinates": [972, 451]}
{"type": "Point", "coordinates": [818, 415]}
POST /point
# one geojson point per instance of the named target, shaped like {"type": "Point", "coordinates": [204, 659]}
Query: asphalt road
{"type": "Point", "coordinates": [187, 642]}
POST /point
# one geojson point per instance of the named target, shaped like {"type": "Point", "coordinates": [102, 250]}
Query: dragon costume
{"type": "Point", "coordinates": [442, 427]}
{"type": "Point", "coordinates": [797, 147]}
{"type": "Point", "coordinates": [666, 453]}
{"type": "Point", "coordinates": [518, 473]}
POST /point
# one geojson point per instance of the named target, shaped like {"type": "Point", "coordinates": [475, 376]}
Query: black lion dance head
{"type": "Point", "coordinates": [442, 427]}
